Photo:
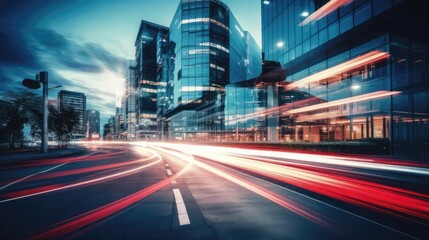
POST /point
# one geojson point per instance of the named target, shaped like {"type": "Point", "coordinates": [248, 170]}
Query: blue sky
{"type": "Point", "coordinates": [85, 45]}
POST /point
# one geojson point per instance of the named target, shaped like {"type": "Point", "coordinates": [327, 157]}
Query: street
{"type": "Point", "coordinates": [154, 190]}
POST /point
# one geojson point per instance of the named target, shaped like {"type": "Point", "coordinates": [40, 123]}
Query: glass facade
{"type": "Point", "coordinates": [245, 106]}
{"type": "Point", "coordinates": [209, 49]}
{"type": "Point", "coordinates": [130, 102]}
{"type": "Point", "coordinates": [151, 47]}
{"type": "Point", "coordinates": [92, 124]}
{"type": "Point", "coordinates": [358, 73]}
{"type": "Point", "coordinates": [200, 35]}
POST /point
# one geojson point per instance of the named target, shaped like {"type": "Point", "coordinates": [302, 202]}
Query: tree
{"type": "Point", "coordinates": [17, 109]}
{"type": "Point", "coordinates": [63, 122]}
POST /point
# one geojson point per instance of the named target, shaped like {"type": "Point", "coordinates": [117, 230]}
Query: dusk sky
{"type": "Point", "coordinates": [85, 45]}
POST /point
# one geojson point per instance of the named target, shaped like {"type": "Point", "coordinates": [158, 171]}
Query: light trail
{"type": "Point", "coordinates": [355, 99]}
{"type": "Point", "coordinates": [80, 170]}
{"type": "Point", "coordinates": [383, 198]}
{"type": "Point", "coordinates": [57, 187]}
{"type": "Point", "coordinates": [78, 222]}
{"type": "Point", "coordinates": [329, 7]}
{"type": "Point", "coordinates": [272, 196]}
{"type": "Point", "coordinates": [87, 170]}
{"type": "Point", "coordinates": [370, 57]}
{"type": "Point", "coordinates": [358, 192]}
{"type": "Point", "coordinates": [287, 109]}
{"type": "Point", "coordinates": [271, 111]}
{"type": "Point", "coordinates": [346, 161]}
{"type": "Point", "coordinates": [29, 176]}
{"type": "Point", "coordinates": [88, 157]}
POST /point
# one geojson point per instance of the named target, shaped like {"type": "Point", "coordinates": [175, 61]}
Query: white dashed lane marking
{"type": "Point", "coordinates": [181, 208]}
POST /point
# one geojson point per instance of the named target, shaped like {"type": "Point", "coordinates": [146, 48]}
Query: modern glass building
{"type": "Point", "coordinates": [77, 101]}
{"type": "Point", "coordinates": [92, 124]}
{"type": "Point", "coordinates": [210, 50]}
{"type": "Point", "coordinates": [245, 105]}
{"type": "Point", "coordinates": [151, 46]}
{"type": "Point", "coordinates": [130, 100]}
{"type": "Point", "coordinates": [356, 70]}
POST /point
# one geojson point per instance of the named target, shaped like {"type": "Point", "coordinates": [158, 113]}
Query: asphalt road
{"type": "Point", "coordinates": [182, 191]}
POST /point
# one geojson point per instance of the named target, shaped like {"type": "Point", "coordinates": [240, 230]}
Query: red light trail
{"type": "Point", "coordinates": [57, 187]}
{"type": "Point", "coordinates": [329, 7]}
{"type": "Point", "coordinates": [327, 175]}
{"type": "Point", "coordinates": [379, 197]}
{"type": "Point", "coordinates": [87, 218]}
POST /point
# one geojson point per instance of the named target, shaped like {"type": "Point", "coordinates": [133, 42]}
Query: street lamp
{"type": "Point", "coordinates": [42, 77]}
{"type": "Point", "coordinates": [55, 87]}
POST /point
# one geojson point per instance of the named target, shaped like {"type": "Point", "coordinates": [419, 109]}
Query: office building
{"type": "Point", "coordinates": [356, 71]}
{"type": "Point", "coordinates": [92, 125]}
{"type": "Point", "coordinates": [210, 50]}
{"type": "Point", "coordinates": [130, 100]}
{"type": "Point", "coordinates": [77, 101]}
{"type": "Point", "coordinates": [149, 74]}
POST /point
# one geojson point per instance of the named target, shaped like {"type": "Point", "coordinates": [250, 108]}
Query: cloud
{"type": "Point", "coordinates": [76, 64]}
{"type": "Point", "coordinates": [14, 49]}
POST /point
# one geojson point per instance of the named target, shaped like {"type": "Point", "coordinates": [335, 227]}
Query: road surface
{"type": "Point", "coordinates": [149, 190]}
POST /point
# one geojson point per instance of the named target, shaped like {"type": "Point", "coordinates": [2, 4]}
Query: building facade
{"type": "Point", "coordinates": [210, 50]}
{"type": "Point", "coordinates": [356, 71]}
{"type": "Point", "coordinates": [130, 101]}
{"type": "Point", "coordinates": [151, 46]}
{"type": "Point", "coordinates": [77, 101]}
{"type": "Point", "coordinates": [92, 125]}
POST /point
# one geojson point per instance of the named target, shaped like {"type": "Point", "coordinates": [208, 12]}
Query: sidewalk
{"type": "Point", "coordinates": [8, 157]}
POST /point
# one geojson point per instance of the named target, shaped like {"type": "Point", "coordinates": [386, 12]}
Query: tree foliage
{"type": "Point", "coordinates": [17, 109]}
{"type": "Point", "coordinates": [63, 122]}
{"type": "Point", "coordinates": [25, 107]}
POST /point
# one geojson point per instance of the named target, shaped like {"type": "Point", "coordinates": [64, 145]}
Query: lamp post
{"type": "Point", "coordinates": [42, 77]}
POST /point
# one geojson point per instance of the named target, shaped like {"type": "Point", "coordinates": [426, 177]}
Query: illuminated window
{"type": "Point", "coordinates": [148, 82]}
{"type": "Point", "coordinates": [217, 67]}
{"type": "Point", "coordinates": [147, 115]}
{"type": "Point", "coordinates": [149, 90]}
{"type": "Point", "coordinates": [195, 20]}
{"type": "Point", "coordinates": [214, 45]}
{"type": "Point", "coordinates": [198, 51]}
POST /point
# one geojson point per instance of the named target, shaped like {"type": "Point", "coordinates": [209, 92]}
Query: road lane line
{"type": "Point", "coordinates": [181, 208]}
{"type": "Point", "coordinates": [31, 175]}
{"type": "Point", "coordinates": [92, 216]}
{"type": "Point", "coordinates": [169, 173]}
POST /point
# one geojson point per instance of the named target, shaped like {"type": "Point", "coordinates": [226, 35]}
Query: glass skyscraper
{"type": "Point", "coordinates": [356, 71]}
{"type": "Point", "coordinates": [210, 50]}
{"type": "Point", "coordinates": [151, 46]}
{"type": "Point", "coordinates": [130, 102]}
{"type": "Point", "coordinates": [92, 124]}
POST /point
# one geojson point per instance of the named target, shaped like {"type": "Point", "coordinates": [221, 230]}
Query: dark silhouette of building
{"type": "Point", "coordinates": [77, 101]}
